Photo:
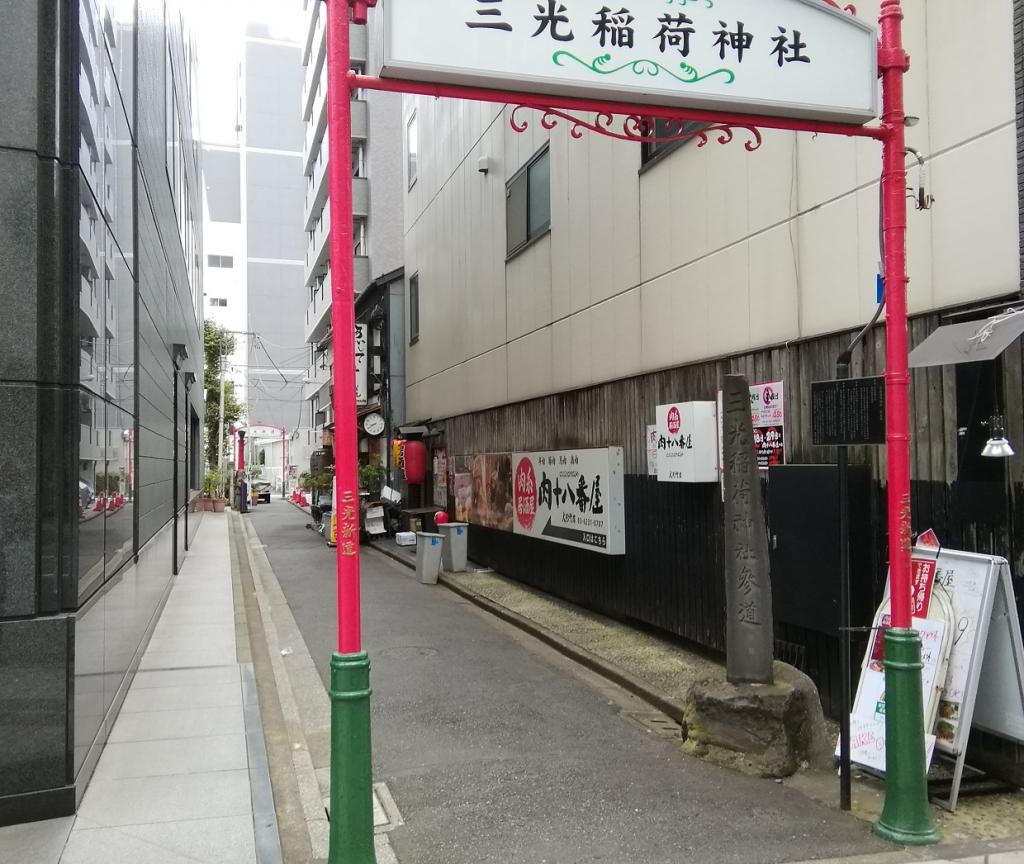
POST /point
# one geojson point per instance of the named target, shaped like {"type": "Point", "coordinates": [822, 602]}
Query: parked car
{"type": "Point", "coordinates": [262, 490]}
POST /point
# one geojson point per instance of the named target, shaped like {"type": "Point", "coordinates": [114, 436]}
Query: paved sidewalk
{"type": "Point", "coordinates": [994, 857]}
{"type": "Point", "coordinates": [183, 778]}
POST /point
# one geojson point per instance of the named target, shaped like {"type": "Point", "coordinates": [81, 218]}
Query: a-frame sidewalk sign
{"type": "Point", "coordinates": [801, 65]}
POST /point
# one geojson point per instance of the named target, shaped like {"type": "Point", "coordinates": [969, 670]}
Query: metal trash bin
{"type": "Point", "coordinates": [428, 557]}
{"type": "Point", "coordinates": [456, 546]}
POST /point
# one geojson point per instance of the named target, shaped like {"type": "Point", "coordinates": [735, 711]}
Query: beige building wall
{"type": "Point", "coordinates": [708, 251]}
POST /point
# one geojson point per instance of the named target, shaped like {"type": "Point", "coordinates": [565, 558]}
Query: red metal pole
{"type": "Point", "coordinates": [906, 817]}
{"type": "Point", "coordinates": [343, 324]}
{"type": "Point", "coordinates": [894, 63]}
{"type": "Point", "coordinates": [351, 811]}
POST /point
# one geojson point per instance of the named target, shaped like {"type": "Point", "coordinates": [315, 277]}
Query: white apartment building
{"type": "Point", "coordinates": [377, 193]}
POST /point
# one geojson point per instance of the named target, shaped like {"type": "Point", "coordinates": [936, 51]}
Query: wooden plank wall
{"type": "Point", "coordinates": [661, 517]}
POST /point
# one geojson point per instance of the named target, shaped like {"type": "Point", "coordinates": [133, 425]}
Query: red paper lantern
{"type": "Point", "coordinates": [415, 461]}
{"type": "Point", "coordinates": [440, 518]}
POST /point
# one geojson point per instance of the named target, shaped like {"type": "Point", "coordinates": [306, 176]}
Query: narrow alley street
{"type": "Point", "coordinates": [498, 749]}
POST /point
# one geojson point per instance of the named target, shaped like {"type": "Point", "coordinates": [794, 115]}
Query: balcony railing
{"type": "Point", "coordinates": [316, 191]}
{"type": "Point", "coordinates": [318, 379]}
{"type": "Point", "coordinates": [315, 137]}
{"type": "Point", "coordinates": [317, 251]}
{"type": "Point", "coordinates": [318, 313]}
{"type": "Point", "coordinates": [89, 302]}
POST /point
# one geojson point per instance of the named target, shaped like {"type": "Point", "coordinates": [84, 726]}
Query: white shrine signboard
{"type": "Point", "coordinates": [791, 58]}
{"type": "Point", "coordinates": [982, 685]}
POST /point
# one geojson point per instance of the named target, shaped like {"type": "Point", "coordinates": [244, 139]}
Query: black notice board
{"type": "Point", "coordinates": [848, 413]}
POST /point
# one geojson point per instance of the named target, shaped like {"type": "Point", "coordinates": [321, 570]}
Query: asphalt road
{"type": "Point", "coordinates": [497, 749]}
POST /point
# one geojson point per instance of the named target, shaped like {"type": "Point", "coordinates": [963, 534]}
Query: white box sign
{"type": "Point", "coordinates": [572, 497]}
{"type": "Point", "coordinates": [792, 58]}
{"type": "Point", "coordinates": [688, 443]}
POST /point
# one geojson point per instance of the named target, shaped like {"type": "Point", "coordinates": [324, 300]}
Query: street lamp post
{"type": "Point", "coordinates": [351, 838]}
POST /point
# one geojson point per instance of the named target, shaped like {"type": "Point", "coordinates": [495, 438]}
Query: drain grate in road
{"type": "Point", "coordinates": [656, 722]}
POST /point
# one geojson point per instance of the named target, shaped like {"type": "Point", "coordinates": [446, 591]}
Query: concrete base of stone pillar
{"type": "Point", "coordinates": [770, 730]}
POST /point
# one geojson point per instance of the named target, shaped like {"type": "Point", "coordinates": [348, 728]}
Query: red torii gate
{"type": "Point", "coordinates": [906, 817]}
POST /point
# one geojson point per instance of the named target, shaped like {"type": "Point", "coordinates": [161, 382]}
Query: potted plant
{"type": "Point", "coordinates": [211, 491]}
{"type": "Point", "coordinates": [370, 478]}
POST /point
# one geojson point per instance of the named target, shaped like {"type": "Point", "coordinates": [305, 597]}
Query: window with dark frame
{"type": "Point", "coordinates": [414, 309]}
{"type": "Point", "coordinates": [528, 202]}
{"type": "Point", "coordinates": [662, 129]}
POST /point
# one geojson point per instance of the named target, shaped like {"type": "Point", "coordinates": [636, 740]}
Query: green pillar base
{"type": "Point", "coordinates": [351, 764]}
{"type": "Point", "coordinates": [907, 817]}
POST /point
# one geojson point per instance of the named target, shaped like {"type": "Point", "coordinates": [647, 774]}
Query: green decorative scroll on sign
{"type": "Point", "coordinates": [642, 67]}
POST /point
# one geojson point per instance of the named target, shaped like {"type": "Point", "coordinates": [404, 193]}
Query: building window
{"type": "Point", "coordinates": [414, 309]}
{"type": "Point", "coordinates": [219, 301]}
{"type": "Point", "coordinates": [359, 249]}
{"type": "Point", "coordinates": [413, 145]}
{"type": "Point", "coordinates": [528, 202]}
{"type": "Point", "coordinates": [358, 160]}
{"type": "Point", "coordinates": [225, 261]}
{"type": "Point", "coordinates": [662, 129]}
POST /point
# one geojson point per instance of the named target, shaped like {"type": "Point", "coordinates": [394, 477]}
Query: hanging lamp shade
{"type": "Point", "coordinates": [415, 461]}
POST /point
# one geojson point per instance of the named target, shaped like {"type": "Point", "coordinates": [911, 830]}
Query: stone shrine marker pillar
{"type": "Point", "coordinates": [748, 592]}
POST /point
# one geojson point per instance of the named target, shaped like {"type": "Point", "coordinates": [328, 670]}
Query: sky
{"type": "Point", "coordinates": [219, 27]}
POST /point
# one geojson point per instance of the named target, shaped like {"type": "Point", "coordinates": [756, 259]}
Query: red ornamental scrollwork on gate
{"type": "Point", "coordinates": [849, 7]}
{"type": "Point", "coordinates": [636, 127]}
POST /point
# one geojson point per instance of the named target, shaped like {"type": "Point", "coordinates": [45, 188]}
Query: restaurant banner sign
{"type": "Point", "coordinates": [572, 497]}
{"type": "Point", "coordinates": [361, 354]}
{"type": "Point", "coordinates": [791, 58]}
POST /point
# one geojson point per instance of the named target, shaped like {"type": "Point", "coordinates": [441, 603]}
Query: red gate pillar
{"type": "Point", "coordinates": [351, 769]}
{"type": "Point", "coordinates": [906, 817]}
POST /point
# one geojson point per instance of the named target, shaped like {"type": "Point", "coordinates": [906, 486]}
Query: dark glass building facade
{"type": "Point", "coordinates": [100, 341]}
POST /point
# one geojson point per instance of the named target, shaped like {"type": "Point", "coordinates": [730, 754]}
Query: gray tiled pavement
{"type": "Point", "coordinates": [174, 783]}
{"type": "Point", "coordinates": [896, 857]}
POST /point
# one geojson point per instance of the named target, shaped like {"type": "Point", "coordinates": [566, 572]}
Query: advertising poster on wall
{"type": "Point", "coordinates": [490, 496]}
{"type": "Point", "coordinates": [462, 487]}
{"type": "Point", "coordinates": [768, 414]}
{"type": "Point", "coordinates": [441, 479]}
{"type": "Point", "coordinates": [652, 451]}
{"type": "Point", "coordinates": [572, 497]}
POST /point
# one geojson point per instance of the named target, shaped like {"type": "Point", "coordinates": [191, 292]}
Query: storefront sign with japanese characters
{"type": "Point", "coordinates": [792, 58]}
{"type": "Point", "coordinates": [652, 451]}
{"type": "Point", "coordinates": [687, 442]}
{"type": "Point", "coordinates": [573, 497]}
{"type": "Point", "coordinates": [360, 365]}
